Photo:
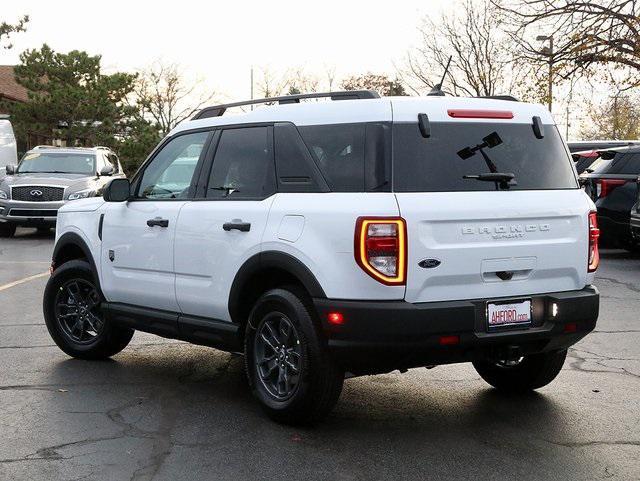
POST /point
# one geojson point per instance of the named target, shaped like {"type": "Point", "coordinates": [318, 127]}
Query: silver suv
{"type": "Point", "coordinates": [48, 177]}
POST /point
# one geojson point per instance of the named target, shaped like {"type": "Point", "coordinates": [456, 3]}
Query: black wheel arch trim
{"type": "Point", "coordinates": [271, 259]}
{"type": "Point", "coordinates": [71, 238]}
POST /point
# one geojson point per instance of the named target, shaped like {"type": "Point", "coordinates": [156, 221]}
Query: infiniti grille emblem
{"type": "Point", "coordinates": [36, 193]}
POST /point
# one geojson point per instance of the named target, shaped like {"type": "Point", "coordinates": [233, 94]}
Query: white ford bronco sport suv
{"type": "Point", "coordinates": [340, 238]}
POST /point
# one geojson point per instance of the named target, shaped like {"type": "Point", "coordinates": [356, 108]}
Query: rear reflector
{"type": "Point", "coordinates": [594, 234]}
{"type": "Point", "coordinates": [380, 248]}
{"type": "Point", "coordinates": [335, 318]}
{"type": "Point", "coordinates": [449, 340]}
{"type": "Point", "coordinates": [480, 114]}
{"type": "Point", "coordinates": [571, 327]}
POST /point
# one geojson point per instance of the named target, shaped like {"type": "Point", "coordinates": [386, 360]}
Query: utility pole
{"type": "Point", "coordinates": [252, 86]}
{"type": "Point", "coordinates": [548, 51]}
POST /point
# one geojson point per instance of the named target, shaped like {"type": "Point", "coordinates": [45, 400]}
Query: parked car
{"type": "Point", "coordinates": [47, 178]}
{"type": "Point", "coordinates": [583, 160]}
{"type": "Point", "coordinates": [611, 184]}
{"type": "Point", "coordinates": [8, 148]}
{"type": "Point", "coordinates": [293, 244]}
{"type": "Point", "coordinates": [592, 145]}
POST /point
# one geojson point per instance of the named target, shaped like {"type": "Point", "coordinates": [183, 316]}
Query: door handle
{"type": "Point", "coordinates": [158, 222]}
{"type": "Point", "coordinates": [241, 226]}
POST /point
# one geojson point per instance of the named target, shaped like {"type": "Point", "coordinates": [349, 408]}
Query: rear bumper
{"type": "Point", "coordinates": [378, 336]}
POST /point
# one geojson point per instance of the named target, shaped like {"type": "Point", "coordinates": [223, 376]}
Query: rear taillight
{"type": "Point", "coordinates": [606, 186]}
{"type": "Point", "coordinates": [381, 248]}
{"type": "Point", "coordinates": [594, 234]}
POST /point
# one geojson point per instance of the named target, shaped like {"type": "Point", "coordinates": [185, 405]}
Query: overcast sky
{"type": "Point", "coordinates": [220, 40]}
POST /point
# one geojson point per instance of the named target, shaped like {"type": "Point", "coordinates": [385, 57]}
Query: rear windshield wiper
{"type": "Point", "coordinates": [502, 179]}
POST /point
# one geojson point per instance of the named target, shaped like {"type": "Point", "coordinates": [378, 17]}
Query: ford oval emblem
{"type": "Point", "coordinates": [429, 263]}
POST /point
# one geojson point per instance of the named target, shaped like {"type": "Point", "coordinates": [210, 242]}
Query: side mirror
{"type": "Point", "coordinates": [118, 190]}
{"type": "Point", "coordinates": [11, 169]}
{"type": "Point", "coordinates": [106, 170]}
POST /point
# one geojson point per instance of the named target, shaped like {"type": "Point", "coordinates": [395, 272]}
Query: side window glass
{"type": "Point", "coordinates": [243, 165]}
{"type": "Point", "coordinates": [113, 160]}
{"type": "Point", "coordinates": [170, 173]}
{"type": "Point", "coordinates": [339, 152]}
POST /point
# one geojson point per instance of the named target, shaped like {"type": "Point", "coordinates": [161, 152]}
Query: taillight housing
{"type": "Point", "coordinates": [607, 186]}
{"type": "Point", "coordinates": [381, 248]}
{"type": "Point", "coordinates": [594, 234]}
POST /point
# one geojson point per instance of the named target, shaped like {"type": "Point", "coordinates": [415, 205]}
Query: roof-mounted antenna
{"type": "Point", "coordinates": [437, 88]}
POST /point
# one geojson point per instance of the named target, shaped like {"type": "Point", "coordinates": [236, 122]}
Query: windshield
{"type": "Point", "coordinates": [479, 156]}
{"type": "Point", "coordinates": [65, 163]}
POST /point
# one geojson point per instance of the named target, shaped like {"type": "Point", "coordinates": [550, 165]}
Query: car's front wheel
{"type": "Point", "coordinates": [289, 369]}
{"type": "Point", "coordinates": [73, 315]}
{"type": "Point", "coordinates": [524, 374]}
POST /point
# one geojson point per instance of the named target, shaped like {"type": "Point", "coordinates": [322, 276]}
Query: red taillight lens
{"type": "Point", "coordinates": [594, 233]}
{"type": "Point", "coordinates": [607, 186]}
{"type": "Point", "coordinates": [335, 318]}
{"type": "Point", "coordinates": [381, 248]}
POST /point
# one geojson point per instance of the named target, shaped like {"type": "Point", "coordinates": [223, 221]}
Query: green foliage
{"type": "Point", "coordinates": [72, 100]}
{"type": "Point", "coordinates": [6, 29]}
{"type": "Point", "coordinates": [617, 118]}
{"type": "Point", "coordinates": [380, 83]}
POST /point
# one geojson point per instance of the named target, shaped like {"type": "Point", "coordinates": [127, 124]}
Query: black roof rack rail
{"type": "Point", "coordinates": [510, 98]}
{"type": "Point", "coordinates": [218, 110]}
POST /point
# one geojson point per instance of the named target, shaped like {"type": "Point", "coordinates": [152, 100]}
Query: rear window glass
{"type": "Point", "coordinates": [436, 164]}
{"type": "Point", "coordinates": [620, 163]}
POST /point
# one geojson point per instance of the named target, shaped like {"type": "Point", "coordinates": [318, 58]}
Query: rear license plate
{"type": "Point", "coordinates": [508, 314]}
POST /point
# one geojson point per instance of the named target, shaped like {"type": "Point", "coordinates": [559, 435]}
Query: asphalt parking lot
{"type": "Point", "coordinates": [168, 410]}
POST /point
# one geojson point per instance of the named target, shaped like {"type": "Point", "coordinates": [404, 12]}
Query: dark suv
{"type": "Point", "coordinates": [611, 183]}
{"type": "Point", "coordinates": [48, 177]}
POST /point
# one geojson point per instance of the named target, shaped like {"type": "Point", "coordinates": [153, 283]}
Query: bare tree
{"type": "Point", "coordinates": [6, 29]}
{"type": "Point", "coordinates": [483, 58]}
{"type": "Point", "coordinates": [166, 98]}
{"type": "Point", "coordinates": [299, 82]}
{"type": "Point", "coordinates": [380, 83]}
{"type": "Point", "coordinates": [330, 75]}
{"type": "Point", "coordinates": [270, 84]}
{"type": "Point", "coordinates": [585, 33]}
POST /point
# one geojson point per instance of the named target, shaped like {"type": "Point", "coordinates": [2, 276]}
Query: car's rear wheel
{"type": "Point", "coordinates": [524, 374]}
{"type": "Point", "coordinates": [73, 315]}
{"type": "Point", "coordinates": [7, 229]}
{"type": "Point", "coordinates": [288, 366]}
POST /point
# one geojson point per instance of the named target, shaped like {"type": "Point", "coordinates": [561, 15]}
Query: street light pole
{"type": "Point", "coordinates": [549, 52]}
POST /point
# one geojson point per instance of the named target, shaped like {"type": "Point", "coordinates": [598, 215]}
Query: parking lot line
{"type": "Point", "coordinates": [22, 281]}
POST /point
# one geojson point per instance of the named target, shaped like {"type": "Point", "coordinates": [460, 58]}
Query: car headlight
{"type": "Point", "coordinates": [82, 194]}
{"type": "Point", "coordinates": [3, 195]}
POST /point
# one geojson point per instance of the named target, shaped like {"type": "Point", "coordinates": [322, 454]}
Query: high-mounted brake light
{"type": "Point", "coordinates": [380, 248]}
{"type": "Point", "coordinates": [480, 114]}
{"type": "Point", "coordinates": [594, 233]}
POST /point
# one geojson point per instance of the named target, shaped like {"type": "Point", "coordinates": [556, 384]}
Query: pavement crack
{"type": "Point", "coordinates": [581, 444]}
{"type": "Point", "coordinates": [629, 285]}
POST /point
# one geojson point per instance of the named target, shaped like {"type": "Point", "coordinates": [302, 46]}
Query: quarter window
{"type": "Point", "coordinates": [170, 173]}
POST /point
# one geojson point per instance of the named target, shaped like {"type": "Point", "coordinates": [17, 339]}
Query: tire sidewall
{"type": "Point", "coordinates": [76, 269]}
{"type": "Point", "coordinates": [287, 303]}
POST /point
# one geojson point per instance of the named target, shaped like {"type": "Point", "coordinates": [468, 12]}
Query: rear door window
{"type": "Point", "coordinates": [456, 149]}
{"type": "Point", "coordinates": [618, 163]}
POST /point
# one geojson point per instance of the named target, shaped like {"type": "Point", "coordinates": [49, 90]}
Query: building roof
{"type": "Point", "coordinates": [9, 88]}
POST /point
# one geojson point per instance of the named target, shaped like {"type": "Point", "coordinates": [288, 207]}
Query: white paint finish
{"type": "Point", "coordinates": [305, 113]}
{"type": "Point", "coordinates": [550, 226]}
{"type": "Point", "coordinates": [326, 244]}
{"type": "Point", "coordinates": [405, 109]}
{"type": "Point", "coordinates": [207, 257]}
{"type": "Point", "coordinates": [291, 228]}
{"type": "Point", "coordinates": [85, 225]}
{"type": "Point", "coordinates": [143, 270]}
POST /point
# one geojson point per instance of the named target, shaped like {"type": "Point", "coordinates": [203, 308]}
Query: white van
{"type": "Point", "coordinates": [8, 148]}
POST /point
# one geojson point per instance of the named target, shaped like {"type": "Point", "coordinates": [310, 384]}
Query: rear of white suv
{"type": "Point", "coordinates": [358, 237]}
